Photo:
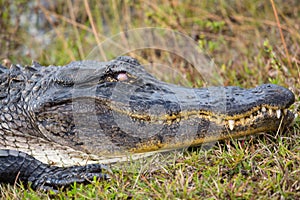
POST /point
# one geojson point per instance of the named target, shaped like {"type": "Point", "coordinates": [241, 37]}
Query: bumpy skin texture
{"type": "Point", "coordinates": [56, 123]}
{"type": "Point", "coordinates": [16, 165]}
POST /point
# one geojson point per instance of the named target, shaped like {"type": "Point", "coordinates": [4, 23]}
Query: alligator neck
{"type": "Point", "coordinates": [14, 89]}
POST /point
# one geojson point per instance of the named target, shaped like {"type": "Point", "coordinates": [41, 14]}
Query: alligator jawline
{"type": "Point", "coordinates": [220, 119]}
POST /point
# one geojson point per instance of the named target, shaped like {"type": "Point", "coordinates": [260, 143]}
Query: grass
{"type": "Point", "coordinates": [252, 42]}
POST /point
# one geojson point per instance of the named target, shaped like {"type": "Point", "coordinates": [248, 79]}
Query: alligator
{"type": "Point", "coordinates": [57, 124]}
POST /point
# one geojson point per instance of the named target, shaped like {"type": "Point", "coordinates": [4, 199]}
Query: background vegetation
{"type": "Point", "coordinates": [251, 42]}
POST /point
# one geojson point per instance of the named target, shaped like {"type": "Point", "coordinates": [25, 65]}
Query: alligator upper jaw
{"type": "Point", "coordinates": [217, 104]}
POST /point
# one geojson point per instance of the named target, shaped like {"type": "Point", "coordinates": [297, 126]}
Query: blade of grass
{"type": "Point", "coordinates": [88, 10]}
{"type": "Point", "coordinates": [281, 34]}
{"type": "Point", "coordinates": [59, 33]}
{"type": "Point", "coordinates": [75, 28]}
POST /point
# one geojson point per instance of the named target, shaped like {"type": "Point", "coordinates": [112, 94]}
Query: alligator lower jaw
{"type": "Point", "coordinates": [263, 120]}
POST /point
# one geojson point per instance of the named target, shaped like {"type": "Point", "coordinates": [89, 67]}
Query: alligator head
{"type": "Point", "coordinates": [116, 106]}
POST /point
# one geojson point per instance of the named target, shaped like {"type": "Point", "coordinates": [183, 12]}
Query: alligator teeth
{"type": "Point", "coordinates": [270, 111]}
{"type": "Point", "coordinates": [285, 111]}
{"type": "Point", "coordinates": [258, 112]}
{"type": "Point", "coordinates": [231, 124]}
{"type": "Point", "coordinates": [169, 122]}
{"type": "Point", "coordinates": [219, 120]}
{"type": "Point", "coordinates": [278, 113]}
{"type": "Point", "coordinates": [296, 115]}
{"type": "Point", "coordinates": [242, 120]}
{"type": "Point", "coordinates": [263, 109]}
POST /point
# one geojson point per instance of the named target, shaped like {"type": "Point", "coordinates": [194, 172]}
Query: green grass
{"type": "Point", "coordinates": [244, 41]}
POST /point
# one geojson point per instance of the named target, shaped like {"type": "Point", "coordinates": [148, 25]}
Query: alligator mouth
{"type": "Point", "coordinates": [217, 126]}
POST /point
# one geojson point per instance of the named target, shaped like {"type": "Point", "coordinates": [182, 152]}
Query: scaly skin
{"type": "Point", "coordinates": [54, 119]}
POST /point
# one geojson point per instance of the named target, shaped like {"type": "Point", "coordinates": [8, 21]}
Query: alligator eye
{"type": "Point", "coordinates": [122, 76]}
